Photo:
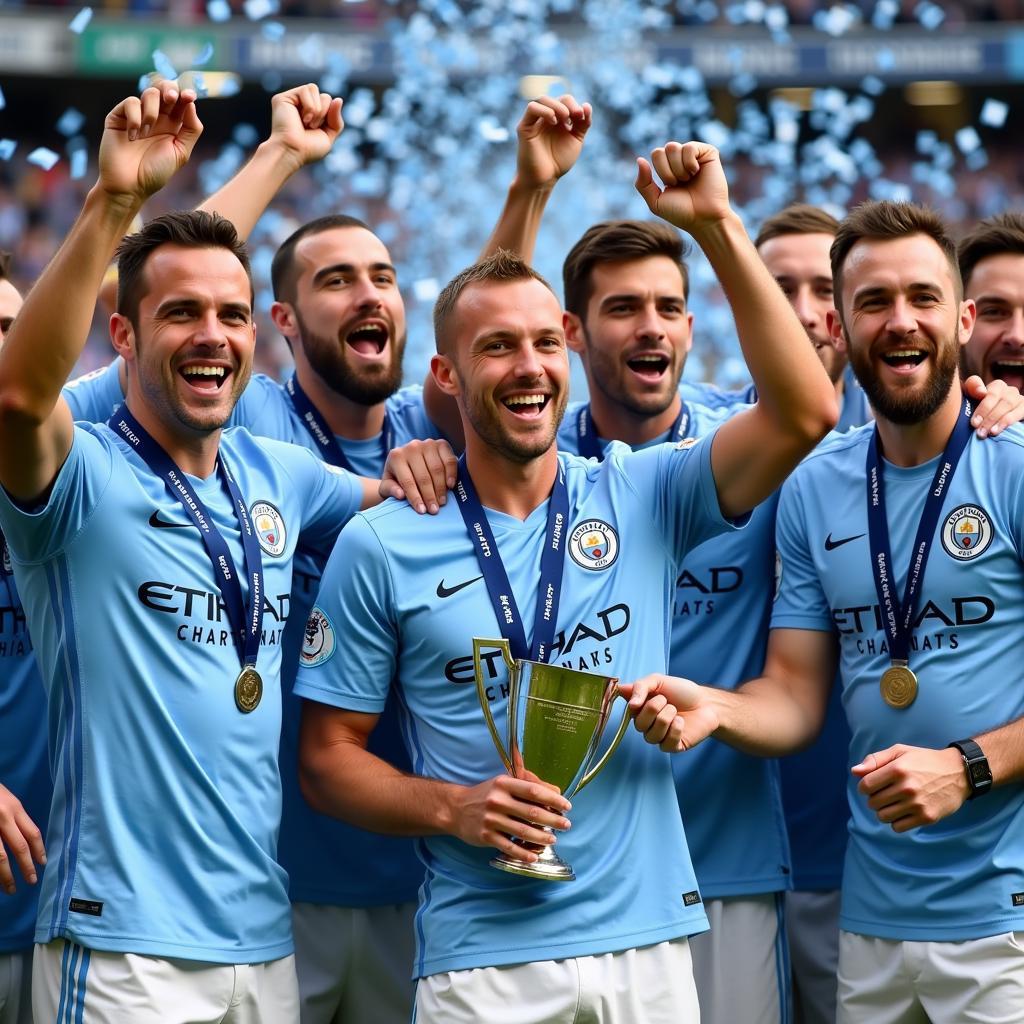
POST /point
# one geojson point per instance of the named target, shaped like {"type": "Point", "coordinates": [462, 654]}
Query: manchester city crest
{"type": "Point", "coordinates": [318, 641]}
{"type": "Point", "coordinates": [967, 532]}
{"type": "Point", "coordinates": [269, 526]}
{"type": "Point", "coordinates": [594, 545]}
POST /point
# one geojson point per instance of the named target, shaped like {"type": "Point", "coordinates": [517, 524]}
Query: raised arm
{"type": "Point", "coordinates": [146, 139]}
{"type": "Point", "coordinates": [796, 406]}
{"type": "Point", "coordinates": [550, 137]}
{"type": "Point", "coordinates": [304, 124]}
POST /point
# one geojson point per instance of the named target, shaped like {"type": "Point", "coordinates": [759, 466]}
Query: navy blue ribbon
{"type": "Point", "coordinates": [590, 447]}
{"type": "Point", "coordinates": [246, 626]}
{"type": "Point", "coordinates": [322, 435]}
{"type": "Point", "coordinates": [552, 562]}
{"type": "Point", "coordinates": [898, 616]}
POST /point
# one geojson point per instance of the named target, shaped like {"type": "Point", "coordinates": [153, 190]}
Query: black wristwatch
{"type": "Point", "coordinates": [979, 775]}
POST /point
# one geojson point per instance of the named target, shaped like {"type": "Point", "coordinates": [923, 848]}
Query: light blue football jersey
{"type": "Point", "coordinates": [163, 826]}
{"type": "Point", "coordinates": [24, 768]}
{"type": "Point", "coordinates": [963, 877]}
{"type": "Point", "coordinates": [328, 861]}
{"type": "Point", "coordinates": [720, 613]}
{"type": "Point", "coordinates": [94, 396]}
{"type": "Point", "coordinates": [402, 599]}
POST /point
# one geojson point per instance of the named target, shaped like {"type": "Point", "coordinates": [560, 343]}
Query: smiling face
{"type": "Point", "coordinates": [902, 325]}
{"type": "Point", "coordinates": [800, 264]}
{"type": "Point", "coordinates": [347, 319]}
{"type": "Point", "coordinates": [636, 334]}
{"type": "Point", "coordinates": [510, 366]}
{"type": "Point", "coordinates": [996, 348]}
{"type": "Point", "coordinates": [190, 355]}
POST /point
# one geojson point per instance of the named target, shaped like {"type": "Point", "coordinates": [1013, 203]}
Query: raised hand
{"type": "Point", "coordinates": [146, 140]}
{"type": "Point", "coordinates": [306, 122]}
{"type": "Point", "coordinates": [551, 134]}
{"type": "Point", "coordinates": [695, 192]}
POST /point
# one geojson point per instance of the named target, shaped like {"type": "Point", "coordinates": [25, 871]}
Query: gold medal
{"type": "Point", "coordinates": [248, 690]}
{"type": "Point", "coordinates": [899, 686]}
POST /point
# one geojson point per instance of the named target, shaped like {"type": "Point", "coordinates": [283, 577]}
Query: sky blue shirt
{"type": "Point", "coordinates": [962, 877]}
{"type": "Point", "coordinates": [163, 826]}
{"type": "Point", "coordinates": [720, 613]}
{"type": "Point", "coordinates": [400, 603]}
{"type": "Point", "coordinates": [328, 861]}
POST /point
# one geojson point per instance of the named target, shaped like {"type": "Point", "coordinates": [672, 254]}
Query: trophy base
{"type": "Point", "coordinates": [549, 867]}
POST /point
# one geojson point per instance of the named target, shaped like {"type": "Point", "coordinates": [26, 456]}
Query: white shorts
{"type": "Point", "coordinates": [16, 987]}
{"type": "Point", "coordinates": [886, 981]}
{"type": "Point", "coordinates": [812, 927]}
{"type": "Point", "coordinates": [652, 985]}
{"type": "Point", "coordinates": [81, 986]}
{"type": "Point", "coordinates": [354, 963]}
{"type": "Point", "coordinates": [747, 941]}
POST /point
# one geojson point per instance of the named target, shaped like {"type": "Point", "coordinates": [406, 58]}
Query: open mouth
{"type": "Point", "coordinates": [649, 365]}
{"type": "Point", "coordinates": [526, 406]}
{"type": "Point", "coordinates": [205, 378]}
{"type": "Point", "coordinates": [1010, 370]}
{"type": "Point", "coordinates": [904, 358]}
{"type": "Point", "coordinates": [368, 339]}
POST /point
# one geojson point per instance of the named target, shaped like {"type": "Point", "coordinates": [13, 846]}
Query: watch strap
{"type": "Point", "coordinates": [974, 759]}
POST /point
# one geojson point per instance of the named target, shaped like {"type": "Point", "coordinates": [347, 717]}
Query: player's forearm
{"type": "Point", "coordinates": [763, 718]}
{"type": "Point", "coordinates": [364, 790]}
{"type": "Point", "coordinates": [520, 220]}
{"type": "Point", "coordinates": [247, 195]}
{"type": "Point", "coordinates": [45, 342]}
{"type": "Point", "coordinates": [793, 387]}
{"type": "Point", "coordinates": [1004, 748]}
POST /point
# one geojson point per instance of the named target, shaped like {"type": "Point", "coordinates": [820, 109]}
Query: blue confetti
{"type": "Point", "coordinates": [836, 20]}
{"type": "Point", "coordinates": [144, 82]}
{"type": "Point", "coordinates": [967, 139]}
{"type": "Point", "coordinates": [926, 141]}
{"type": "Point", "coordinates": [231, 86]}
{"type": "Point", "coordinates": [245, 135]}
{"type": "Point", "coordinates": [43, 157]}
{"type": "Point", "coordinates": [199, 84]}
{"type": "Point", "coordinates": [204, 56]}
{"type": "Point", "coordinates": [930, 15]}
{"type": "Point", "coordinates": [872, 85]}
{"type": "Point", "coordinates": [993, 113]}
{"type": "Point", "coordinates": [81, 20]}
{"type": "Point", "coordinates": [255, 10]}
{"type": "Point", "coordinates": [218, 10]}
{"type": "Point", "coordinates": [163, 65]}
{"type": "Point", "coordinates": [70, 122]}
{"type": "Point", "coordinates": [885, 59]}
{"type": "Point", "coordinates": [79, 164]}
{"type": "Point", "coordinates": [976, 160]}
{"type": "Point", "coordinates": [271, 81]}
{"type": "Point", "coordinates": [7, 148]}
{"type": "Point", "coordinates": [272, 30]}
{"type": "Point", "coordinates": [885, 14]}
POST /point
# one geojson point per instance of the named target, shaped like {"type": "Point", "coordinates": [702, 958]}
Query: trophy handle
{"type": "Point", "coordinates": [478, 673]}
{"type": "Point", "coordinates": [623, 725]}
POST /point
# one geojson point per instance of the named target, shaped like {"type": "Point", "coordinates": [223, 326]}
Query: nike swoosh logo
{"type": "Point", "coordinates": [831, 545]}
{"type": "Point", "coordinates": [163, 524]}
{"type": "Point", "coordinates": [443, 591]}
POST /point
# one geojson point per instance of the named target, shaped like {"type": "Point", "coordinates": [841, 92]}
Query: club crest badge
{"type": "Point", "coordinates": [318, 641]}
{"type": "Point", "coordinates": [594, 545]}
{"type": "Point", "coordinates": [967, 532]}
{"type": "Point", "coordinates": [269, 526]}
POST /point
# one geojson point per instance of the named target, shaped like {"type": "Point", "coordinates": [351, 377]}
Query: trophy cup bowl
{"type": "Point", "coordinates": [556, 718]}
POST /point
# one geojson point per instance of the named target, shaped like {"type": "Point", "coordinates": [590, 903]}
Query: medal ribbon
{"type": "Point", "coordinates": [493, 569]}
{"type": "Point", "coordinates": [322, 434]}
{"type": "Point", "coordinates": [246, 627]}
{"type": "Point", "coordinates": [590, 446]}
{"type": "Point", "coordinates": [898, 616]}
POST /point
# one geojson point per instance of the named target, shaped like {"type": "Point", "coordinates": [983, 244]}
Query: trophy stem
{"type": "Point", "coordinates": [549, 866]}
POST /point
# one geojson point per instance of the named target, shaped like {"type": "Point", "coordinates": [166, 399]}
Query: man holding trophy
{"type": "Point", "coordinates": [586, 554]}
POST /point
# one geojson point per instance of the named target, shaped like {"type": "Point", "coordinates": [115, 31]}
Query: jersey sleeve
{"type": "Point", "coordinates": [37, 534]}
{"type": "Point", "coordinates": [350, 646]}
{"type": "Point", "coordinates": [800, 601]}
{"type": "Point", "coordinates": [94, 396]}
{"type": "Point", "coordinates": [676, 483]}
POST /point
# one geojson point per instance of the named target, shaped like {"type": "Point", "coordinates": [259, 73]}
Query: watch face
{"type": "Point", "coordinates": [980, 774]}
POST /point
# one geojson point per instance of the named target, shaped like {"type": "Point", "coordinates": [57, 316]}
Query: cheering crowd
{"type": "Point", "coordinates": [244, 738]}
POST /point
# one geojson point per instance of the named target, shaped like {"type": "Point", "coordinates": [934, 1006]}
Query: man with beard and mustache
{"type": "Point", "coordinates": [611, 944]}
{"type": "Point", "coordinates": [991, 260]}
{"type": "Point", "coordinates": [900, 546]}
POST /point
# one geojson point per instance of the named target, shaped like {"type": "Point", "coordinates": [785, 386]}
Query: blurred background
{"type": "Point", "coordinates": [827, 103]}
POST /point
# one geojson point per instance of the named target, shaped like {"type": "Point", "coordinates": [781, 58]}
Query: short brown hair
{"type": "Point", "coordinates": [617, 241]}
{"type": "Point", "coordinates": [881, 220]}
{"type": "Point", "coordinates": [191, 229]}
{"type": "Point", "coordinates": [498, 268]}
{"type": "Point", "coordinates": [991, 237]}
{"type": "Point", "coordinates": [797, 219]}
{"type": "Point", "coordinates": [282, 268]}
